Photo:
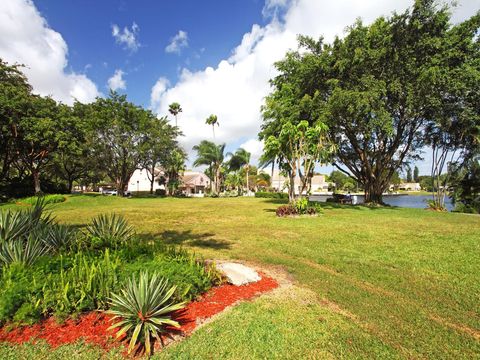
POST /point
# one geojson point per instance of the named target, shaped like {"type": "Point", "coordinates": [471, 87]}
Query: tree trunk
{"type": "Point", "coordinates": [70, 185]}
{"type": "Point", "coordinates": [36, 181]}
{"type": "Point", "coordinates": [152, 180]}
{"type": "Point", "coordinates": [373, 193]}
{"type": "Point", "coordinates": [217, 180]}
{"type": "Point", "coordinates": [247, 168]}
{"type": "Point", "coordinates": [291, 187]}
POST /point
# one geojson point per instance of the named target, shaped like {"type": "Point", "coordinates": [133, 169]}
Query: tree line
{"type": "Point", "coordinates": [52, 146]}
{"type": "Point", "coordinates": [369, 102]}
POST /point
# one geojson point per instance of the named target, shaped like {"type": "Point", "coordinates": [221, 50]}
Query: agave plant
{"type": "Point", "coordinates": [59, 236]}
{"type": "Point", "coordinates": [13, 225]}
{"type": "Point", "coordinates": [111, 229]}
{"type": "Point", "coordinates": [19, 224]}
{"type": "Point", "coordinates": [23, 251]}
{"type": "Point", "coordinates": [143, 309]}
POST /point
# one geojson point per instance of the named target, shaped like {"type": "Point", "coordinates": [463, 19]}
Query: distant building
{"type": "Point", "coordinates": [192, 183]}
{"type": "Point", "coordinates": [139, 181]}
{"type": "Point", "coordinates": [410, 186]}
{"type": "Point", "coordinates": [280, 183]}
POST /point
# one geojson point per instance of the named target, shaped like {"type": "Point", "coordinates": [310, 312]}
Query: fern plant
{"type": "Point", "coordinates": [110, 230]}
{"type": "Point", "coordinates": [143, 309]}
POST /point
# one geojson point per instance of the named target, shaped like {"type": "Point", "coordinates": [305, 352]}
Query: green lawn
{"type": "Point", "coordinates": [367, 283]}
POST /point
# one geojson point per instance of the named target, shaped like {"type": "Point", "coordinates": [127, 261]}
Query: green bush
{"type": "Point", "coordinates": [47, 199]}
{"type": "Point", "coordinates": [271, 195]}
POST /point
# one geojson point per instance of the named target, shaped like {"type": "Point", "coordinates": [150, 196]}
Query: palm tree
{"type": "Point", "coordinates": [212, 120]}
{"type": "Point", "coordinates": [174, 109]}
{"type": "Point", "coordinates": [212, 155]}
{"type": "Point", "coordinates": [241, 159]}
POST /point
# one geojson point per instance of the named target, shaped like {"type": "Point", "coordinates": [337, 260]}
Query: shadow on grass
{"type": "Point", "coordinates": [276, 201]}
{"type": "Point", "coordinates": [187, 237]}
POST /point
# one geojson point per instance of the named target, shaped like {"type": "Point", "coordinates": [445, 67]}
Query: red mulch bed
{"type": "Point", "coordinates": [92, 327]}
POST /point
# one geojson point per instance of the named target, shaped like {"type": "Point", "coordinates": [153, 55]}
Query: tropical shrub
{"type": "Point", "coordinates": [300, 207]}
{"type": "Point", "coordinates": [143, 309]}
{"type": "Point", "coordinates": [47, 199]}
{"type": "Point", "coordinates": [271, 195]}
{"type": "Point", "coordinates": [109, 231]}
{"type": "Point", "coordinates": [286, 210]}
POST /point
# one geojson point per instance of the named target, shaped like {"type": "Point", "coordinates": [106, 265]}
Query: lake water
{"type": "Point", "coordinates": [408, 201]}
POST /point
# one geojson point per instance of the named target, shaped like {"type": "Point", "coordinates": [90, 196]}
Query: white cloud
{"type": "Point", "coordinates": [255, 148]}
{"type": "Point", "coordinates": [117, 82]}
{"type": "Point", "coordinates": [234, 90]}
{"type": "Point", "coordinates": [272, 7]}
{"type": "Point", "coordinates": [127, 37]}
{"type": "Point", "coordinates": [26, 38]}
{"type": "Point", "coordinates": [157, 91]}
{"type": "Point", "coordinates": [178, 42]}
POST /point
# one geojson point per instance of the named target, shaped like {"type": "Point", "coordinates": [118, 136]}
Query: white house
{"type": "Point", "coordinates": [140, 182]}
{"type": "Point", "coordinates": [192, 183]}
{"type": "Point", "coordinates": [410, 186]}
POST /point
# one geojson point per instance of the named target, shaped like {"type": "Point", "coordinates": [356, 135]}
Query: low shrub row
{"type": "Point", "coordinates": [271, 195]}
{"type": "Point", "coordinates": [46, 199]}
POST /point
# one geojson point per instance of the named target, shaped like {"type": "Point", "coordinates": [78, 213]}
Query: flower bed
{"type": "Point", "coordinates": [92, 327]}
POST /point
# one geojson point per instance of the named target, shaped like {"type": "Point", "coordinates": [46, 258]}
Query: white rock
{"type": "Point", "coordinates": [238, 274]}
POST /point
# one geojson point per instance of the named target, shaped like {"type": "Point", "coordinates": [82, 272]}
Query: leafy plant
{"type": "Point", "coordinates": [111, 230]}
{"type": "Point", "coordinates": [301, 205]}
{"type": "Point", "coordinates": [143, 309]}
{"type": "Point", "coordinates": [60, 236]}
{"type": "Point", "coordinates": [22, 251]}
{"type": "Point", "coordinates": [286, 210]}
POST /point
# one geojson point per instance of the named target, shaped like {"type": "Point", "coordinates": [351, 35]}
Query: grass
{"type": "Point", "coordinates": [368, 283]}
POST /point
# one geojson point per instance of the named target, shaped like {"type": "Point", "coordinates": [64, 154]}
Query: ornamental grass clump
{"type": "Point", "coordinates": [109, 231]}
{"type": "Point", "coordinates": [22, 234]}
{"type": "Point", "coordinates": [142, 310]}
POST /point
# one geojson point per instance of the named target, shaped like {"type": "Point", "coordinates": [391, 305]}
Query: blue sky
{"type": "Point", "coordinates": [214, 28]}
{"type": "Point", "coordinates": [211, 56]}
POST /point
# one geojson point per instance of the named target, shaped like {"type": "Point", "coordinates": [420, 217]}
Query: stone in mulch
{"type": "Point", "coordinates": [238, 274]}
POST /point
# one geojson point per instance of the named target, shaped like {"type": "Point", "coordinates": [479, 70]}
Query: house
{"type": "Point", "coordinates": [280, 183]}
{"type": "Point", "coordinates": [140, 181]}
{"type": "Point", "coordinates": [194, 183]}
{"type": "Point", "coordinates": [191, 183]}
{"type": "Point", "coordinates": [410, 187]}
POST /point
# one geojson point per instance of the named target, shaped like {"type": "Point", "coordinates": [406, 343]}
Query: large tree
{"type": "Point", "coordinates": [160, 142]}
{"type": "Point", "coordinates": [15, 95]}
{"type": "Point", "coordinates": [373, 90]}
{"type": "Point", "coordinates": [121, 133]}
{"type": "Point", "coordinates": [42, 132]}
{"type": "Point", "coordinates": [453, 91]}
